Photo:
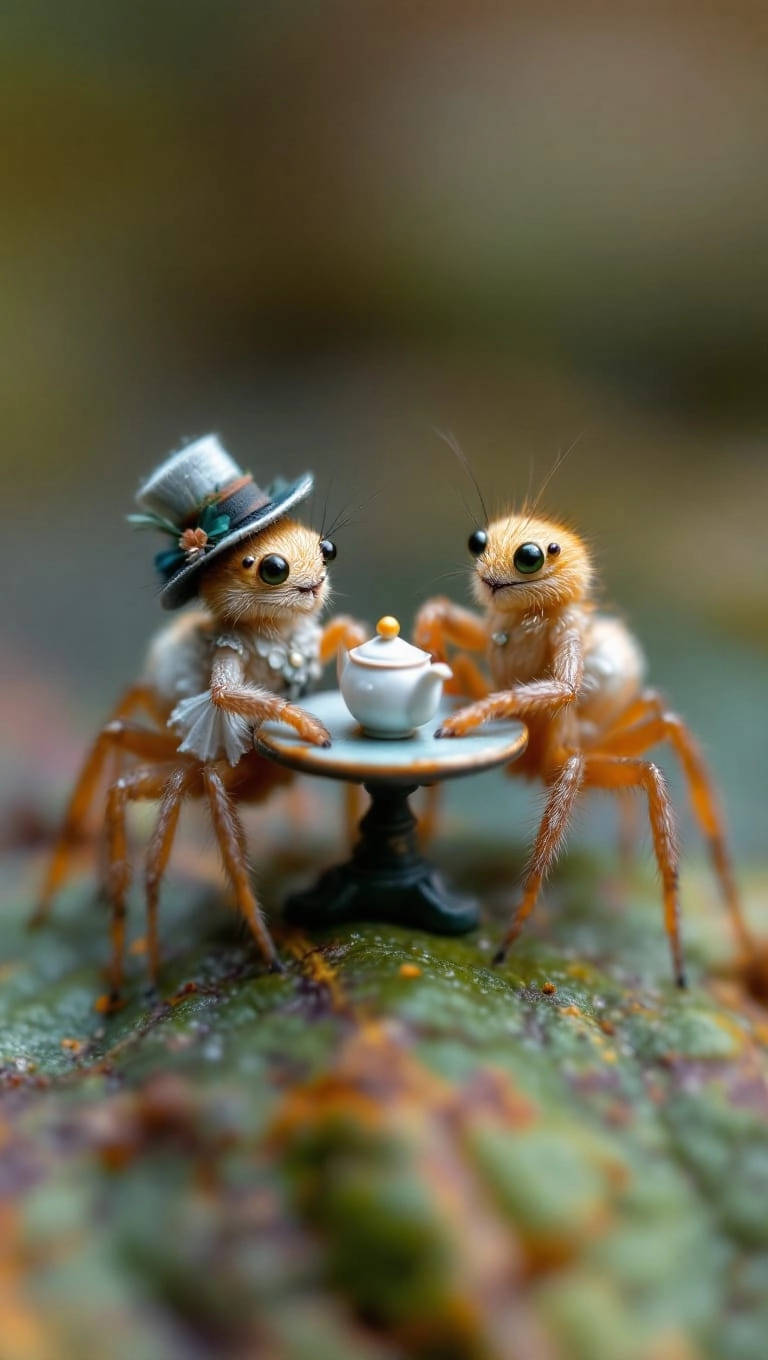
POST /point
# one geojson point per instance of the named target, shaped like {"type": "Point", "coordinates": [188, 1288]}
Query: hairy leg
{"type": "Point", "coordinates": [231, 840]}
{"type": "Point", "coordinates": [117, 738]}
{"type": "Point", "coordinates": [622, 773]}
{"type": "Point", "coordinates": [142, 785]}
{"type": "Point", "coordinates": [561, 797]}
{"type": "Point", "coordinates": [177, 787]}
{"type": "Point", "coordinates": [659, 726]}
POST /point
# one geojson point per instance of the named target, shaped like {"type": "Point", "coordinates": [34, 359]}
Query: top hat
{"type": "Point", "coordinates": [207, 503]}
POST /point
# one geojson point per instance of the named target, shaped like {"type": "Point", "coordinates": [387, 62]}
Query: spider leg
{"type": "Point", "coordinates": [117, 737]}
{"type": "Point", "coordinates": [608, 771]}
{"type": "Point", "coordinates": [659, 726]}
{"type": "Point", "coordinates": [140, 785]}
{"type": "Point", "coordinates": [549, 841]}
{"type": "Point", "coordinates": [231, 839]}
{"type": "Point", "coordinates": [176, 788]}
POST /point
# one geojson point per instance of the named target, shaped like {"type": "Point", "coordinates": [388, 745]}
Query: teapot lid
{"type": "Point", "coordinates": [388, 648]}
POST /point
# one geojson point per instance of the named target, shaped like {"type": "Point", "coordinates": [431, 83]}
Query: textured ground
{"type": "Point", "coordinates": [394, 1149]}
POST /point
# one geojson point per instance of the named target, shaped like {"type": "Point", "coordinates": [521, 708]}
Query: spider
{"type": "Point", "coordinates": [575, 676]}
{"type": "Point", "coordinates": [251, 647]}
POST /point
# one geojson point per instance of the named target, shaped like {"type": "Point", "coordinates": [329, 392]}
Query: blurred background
{"type": "Point", "coordinates": [325, 230]}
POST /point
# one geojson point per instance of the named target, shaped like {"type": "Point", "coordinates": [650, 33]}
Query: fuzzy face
{"type": "Point", "coordinates": [268, 579]}
{"type": "Point", "coordinates": [526, 565]}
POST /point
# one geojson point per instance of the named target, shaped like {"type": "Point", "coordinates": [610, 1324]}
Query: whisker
{"type": "Point", "coordinates": [449, 438]}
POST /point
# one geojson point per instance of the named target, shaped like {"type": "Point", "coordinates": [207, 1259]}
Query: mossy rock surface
{"type": "Point", "coordinates": [394, 1148]}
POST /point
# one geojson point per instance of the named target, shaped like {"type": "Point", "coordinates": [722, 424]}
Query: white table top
{"type": "Point", "coordinates": [419, 759]}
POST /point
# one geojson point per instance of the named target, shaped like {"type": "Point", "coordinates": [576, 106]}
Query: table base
{"type": "Point", "coordinates": [386, 879]}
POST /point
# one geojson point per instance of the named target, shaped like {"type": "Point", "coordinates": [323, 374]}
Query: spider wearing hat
{"type": "Point", "coordinates": [251, 648]}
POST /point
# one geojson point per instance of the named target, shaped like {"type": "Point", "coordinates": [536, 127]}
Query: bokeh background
{"type": "Point", "coordinates": [325, 229]}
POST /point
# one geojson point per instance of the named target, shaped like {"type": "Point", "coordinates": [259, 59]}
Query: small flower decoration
{"type": "Point", "coordinates": [191, 543]}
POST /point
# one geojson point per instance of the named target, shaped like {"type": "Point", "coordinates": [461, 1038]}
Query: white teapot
{"type": "Point", "coordinates": [390, 686]}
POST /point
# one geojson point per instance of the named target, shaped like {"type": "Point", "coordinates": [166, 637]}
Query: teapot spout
{"type": "Point", "coordinates": [426, 695]}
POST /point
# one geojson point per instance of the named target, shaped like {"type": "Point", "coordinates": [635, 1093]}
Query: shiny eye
{"type": "Point", "coordinates": [553, 550]}
{"type": "Point", "coordinates": [273, 570]}
{"type": "Point", "coordinates": [477, 542]}
{"type": "Point", "coordinates": [247, 562]}
{"type": "Point", "coordinates": [327, 549]}
{"type": "Point", "coordinates": [528, 558]}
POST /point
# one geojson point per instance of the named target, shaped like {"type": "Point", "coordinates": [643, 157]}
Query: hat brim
{"type": "Point", "coordinates": [182, 586]}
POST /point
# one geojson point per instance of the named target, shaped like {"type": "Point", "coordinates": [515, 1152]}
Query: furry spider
{"type": "Point", "coordinates": [575, 677]}
{"type": "Point", "coordinates": [242, 657]}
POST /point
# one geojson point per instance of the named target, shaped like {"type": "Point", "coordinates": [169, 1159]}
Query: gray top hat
{"type": "Point", "coordinates": [206, 503]}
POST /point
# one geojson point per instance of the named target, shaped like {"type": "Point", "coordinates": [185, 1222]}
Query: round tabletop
{"type": "Point", "coordinates": [419, 759]}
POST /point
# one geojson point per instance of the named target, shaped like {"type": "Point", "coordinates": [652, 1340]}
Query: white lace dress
{"type": "Point", "coordinates": [179, 671]}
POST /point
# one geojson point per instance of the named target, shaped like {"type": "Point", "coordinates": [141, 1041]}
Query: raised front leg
{"type": "Point", "coordinates": [540, 697]}
{"type": "Point", "coordinates": [257, 706]}
{"type": "Point", "coordinates": [341, 631]}
{"type": "Point", "coordinates": [440, 623]}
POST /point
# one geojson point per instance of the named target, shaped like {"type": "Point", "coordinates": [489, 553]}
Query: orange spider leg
{"type": "Point", "coordinates": [550, 838]}
{"type": "Point", "coordinates": [540, 697]}
{"type": "Point", "coordinates": [176, 788]}
{"type": "Point", "coordinates": [231, 839]}
{"type": "Point", "coordinates": [620, 772]}
{"type": "Point", "coordinates": [230, 695]}
{"type": "Point", "coordinates": [117, 737]}
{"type": "Point", "coordinates": [468, 679]}
{"type": "Point", "coordinates": [660, 727]}
{"type": "Point", "coordinates": [343, 631]}
{"type": "Point", "coordinates": [440, 622]}
{"type": "Point", "coordinates": [144, 785]}
{"type": "Point", "coordinates": [627, 827]}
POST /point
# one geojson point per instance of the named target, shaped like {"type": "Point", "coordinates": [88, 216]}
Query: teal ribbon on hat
{"type": "Point", "coordinates": [167, 562]}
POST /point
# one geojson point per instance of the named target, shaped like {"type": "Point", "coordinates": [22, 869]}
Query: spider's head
{"type": "Point", "coordinates": [525, 564]}
{"type": "Point", "coordinates": [280, 572]}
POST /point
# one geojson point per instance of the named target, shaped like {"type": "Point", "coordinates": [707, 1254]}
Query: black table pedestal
{"type": "Point", "coordinates": [386, 879]}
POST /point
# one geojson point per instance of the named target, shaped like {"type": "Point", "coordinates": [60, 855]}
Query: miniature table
{"type": "Point", "coordinates": [387, 878]}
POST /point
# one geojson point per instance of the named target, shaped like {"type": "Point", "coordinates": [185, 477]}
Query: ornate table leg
{"type": "Point", "coordinates": [386, 879]}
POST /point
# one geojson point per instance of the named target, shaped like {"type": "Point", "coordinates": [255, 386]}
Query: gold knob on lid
{"type": "Point", "coordinates": [388, 627]}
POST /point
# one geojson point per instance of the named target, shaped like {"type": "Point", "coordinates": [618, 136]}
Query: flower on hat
{"type": "Point", "coordinates": [191, 542]}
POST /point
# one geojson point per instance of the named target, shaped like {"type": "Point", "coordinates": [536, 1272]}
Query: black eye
{"type": "Point", "coordinates": [273, 570]}
{"type": "Point", "coordinates": [528, 558]}
{"type": "Point", "coordinates": [477, 542]}
{"type": "Point", "coordinates": [328, 549]}
{"type": "Point", "coordinates": [553, 549]}
{"type": "Point", "coordinates": [248, 562]}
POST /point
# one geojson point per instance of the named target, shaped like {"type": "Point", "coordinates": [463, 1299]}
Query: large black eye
{"type": "Point", "coordinates": [477, 542]}
{"type": "Point", "coordinates": [328, 549]}
{"type": "Point", "coordinates": [528, 558]}
{"type": "Point", "coordinates": [273, 570]}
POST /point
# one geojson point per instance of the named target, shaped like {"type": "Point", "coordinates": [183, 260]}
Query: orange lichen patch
{"type": "Point", "coordinates": [409, 970]}
{"type": "Point", "coordinates": [107, 1005]}
{"type": "Point", "coordinates": [380, 1088]}
{"type": "Point", "coordinates": [670, 1345]}
{"type": "Point", "coordinates": [548, 988]}
{"type": "Point", "coordinates": [318, 971]}
{"type": "Point", "coordinates": [571, 1010]}
{"type": "Point", "coordinates": [490, 1094]}
{"type": "Point", "coordinates": [607, 1026]}
{"type": "Point", "coordinates": [24, 1336]}
{"type": "Point", "coordinates": [579, 971]}
{"type": "Point", "coordinates": [72, 1045]}
{"type": "Point", "coordinates": [189, 989]}
{"type": "Point", "coordinates": [138, 946]}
